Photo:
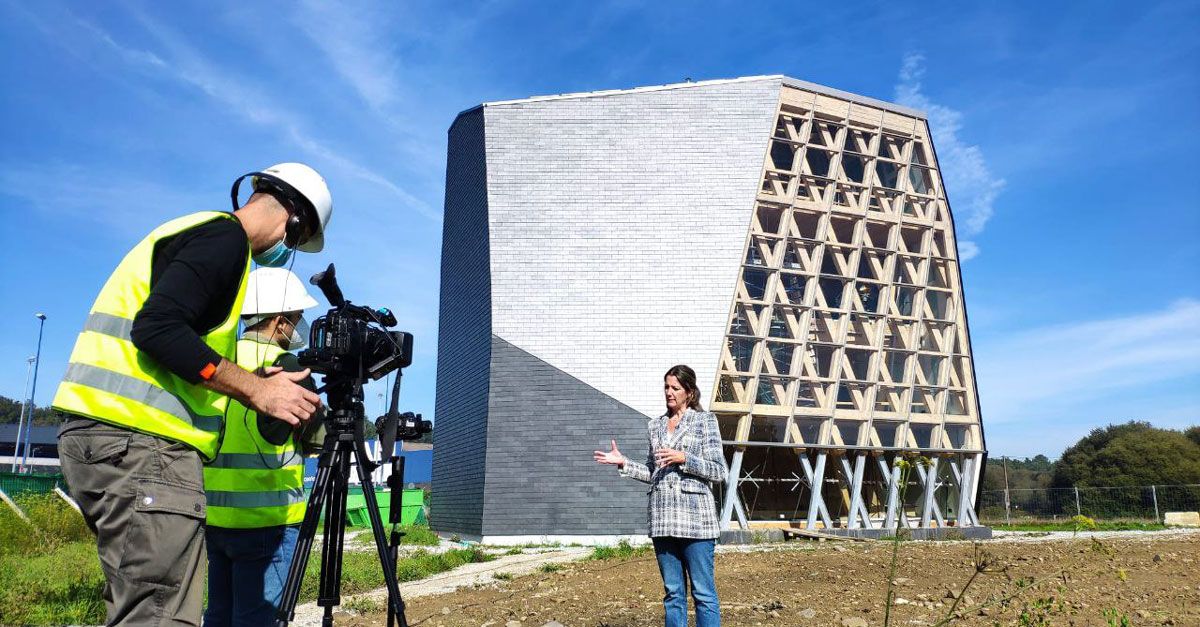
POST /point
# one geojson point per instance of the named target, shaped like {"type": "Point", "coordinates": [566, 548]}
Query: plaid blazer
{"type": "Point", "coordinates": [681, 499]}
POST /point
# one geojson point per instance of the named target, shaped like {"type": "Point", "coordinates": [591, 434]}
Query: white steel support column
{"type": "Point", "coordinates": [854, 476]}
{"type": "Point", "coordinates": [929, 478]}
{"type": "Point", "coordinates": [893, 490]}
{"type": "Point", "coordinates": [815, 501]}
{"type": "Point", "coordinates": [964, 491]}
{"type": "Point", "coordinates": [731, 492]}
{"type": "Point", "coordinates": [814, 488]}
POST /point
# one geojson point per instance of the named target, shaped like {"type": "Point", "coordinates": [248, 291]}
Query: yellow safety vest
{"type": "Point", "coordinates": [253, 483]}
{"type": "Point", "coordinates": [108, 379]}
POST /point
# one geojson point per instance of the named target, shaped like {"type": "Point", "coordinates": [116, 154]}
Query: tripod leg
{"type": "Point", "coordinates": [389, 570]}
{"type": "Point", "coordinates": [335, 530]}
{"type": "Point", "coordinates": [308, 529]}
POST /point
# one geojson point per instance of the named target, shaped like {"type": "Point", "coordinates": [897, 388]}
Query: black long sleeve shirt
{"type": "Point", "coordinates": [194, 281]}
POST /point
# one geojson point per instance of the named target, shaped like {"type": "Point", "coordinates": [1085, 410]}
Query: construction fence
{"type": "Point", "coordinates": [1135, 503]}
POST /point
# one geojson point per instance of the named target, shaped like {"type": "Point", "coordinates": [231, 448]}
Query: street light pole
{"type": "Point", "coordinates": [21, 417]}
{"type": "Point", "coordinates": [33, 392]}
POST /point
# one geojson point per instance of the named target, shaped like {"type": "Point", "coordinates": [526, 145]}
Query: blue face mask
{"type": "Point", "coordinates": [275, 256]}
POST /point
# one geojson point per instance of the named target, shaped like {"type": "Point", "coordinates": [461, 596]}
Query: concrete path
{"type": "Point", "coordinates": [530, 560]}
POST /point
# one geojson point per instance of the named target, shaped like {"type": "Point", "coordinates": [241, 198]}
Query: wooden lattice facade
{"type": "Point", "coordinates": [847, 347]}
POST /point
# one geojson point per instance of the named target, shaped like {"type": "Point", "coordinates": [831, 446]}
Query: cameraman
{"type": "Point", "coordinates": [255, 486]}
{"type": "Point", "coordinates": [145, 391]}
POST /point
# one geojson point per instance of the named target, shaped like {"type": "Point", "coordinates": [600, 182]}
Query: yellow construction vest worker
{"type": "Point", "coordinates": [253, 483]}
{"type": "Point", "coordinates": [108, 379]}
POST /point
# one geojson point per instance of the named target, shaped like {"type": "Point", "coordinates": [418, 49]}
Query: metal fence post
{"type": "Point", "coordinates": [1154, 495]}
{"type": "Point", "coordinates": [1078, 511]}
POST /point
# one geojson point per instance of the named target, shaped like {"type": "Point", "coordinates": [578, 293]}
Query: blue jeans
{"type": "Point", "coordinates": [246, 572]}
{"type": "Point", "coordinates": [681, 560]}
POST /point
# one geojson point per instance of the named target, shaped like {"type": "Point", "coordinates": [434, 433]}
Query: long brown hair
{"type": "Point", "coordinates": [687, 378]}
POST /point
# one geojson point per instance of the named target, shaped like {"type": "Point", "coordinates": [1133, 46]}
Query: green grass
{"type": "Point", "coordinates": [414, 535]}
{"type": "Point", "coordinates": [550, 567]}
{"type": "Point", "coordinates": [1116, 525]}
{"type": "Point", "coordinates": [623, 550]}
{"type": "Point", "coordinates": [50, 573]}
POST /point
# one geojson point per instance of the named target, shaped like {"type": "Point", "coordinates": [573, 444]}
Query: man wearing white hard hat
{"type": "Point", "coordinates": [255, 486]}
{"type": "Point", "coordinates": [147, 387]}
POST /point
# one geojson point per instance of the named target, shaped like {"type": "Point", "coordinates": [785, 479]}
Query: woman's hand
{"type": "Point", "coordinates": [667, 456]}
{"type": "Point", "coordinates": [612, 458]}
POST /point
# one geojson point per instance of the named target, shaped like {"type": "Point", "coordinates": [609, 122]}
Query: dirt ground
{"type": "Point", "coordinates": [1151, 579]}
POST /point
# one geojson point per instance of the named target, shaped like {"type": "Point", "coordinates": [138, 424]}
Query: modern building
{"type": "Point", "coordinates": [791, 242]}
{"type": "Point", "coordinates": [42, 456]}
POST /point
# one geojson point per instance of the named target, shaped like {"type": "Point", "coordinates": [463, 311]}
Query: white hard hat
{"type": "Point", "coordinates": [274, 291]}
{"type": "Point", "coordinates": [307, 183]}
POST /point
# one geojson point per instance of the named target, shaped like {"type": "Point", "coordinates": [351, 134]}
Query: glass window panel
{"type": "Point", "coordinates": [957, 404]}
{"type": "Point", "coordinates": [810, 428]}
{"type": "Point", "coordinates": [869, 293]}
{"type": "Point", "coordinates": [896, 365]}
{"type": "Point", "coordinates": [769, 218]}
{"type": "Point", "coordinates": [741, 323]}
{"type": "Point", "coordinates": [793, 286]}
{"type": "Point", "coordinates": [755, 282]}
{"type": "Point", "coordinates": [905, 299]}
{"type": "Point", "coordinates": [781, 356]}
{"type": "Point", "coordinates": [886, 432]}
{"type": "Point", "coordinates": [806, 397]}
{"type": "Point", "coordinates": [849, 430]}
{"type": "Point", "coordinates": [783, 320]}
{"type": "Point", "coordinates": [888, 173]}
{"type": "Point", "coordinates": [783, 155]}
{"type": "Point", "coordinates": [922, 434]}
{"type": "Point", "coordinates": [741, 352]}
{"type": "Point", "coordinates": [733, 389]}
{"type": "Point", "coordinates": [832, 290]}
{"type": "Point", "coordinates": [855, 167]}
{"type": "Point", "coordinates": [931, 368]}
{"type": "Point", "coordinates": [768, 428]}
{"type": "Point", "coordinates": [939, 303]}
{"type": "Point", "coordinates": [921, 180]}
{"type": "Point", "coordinates": [843, 229]}
{"type": "Point", "coordinates": [823, 357]}
{"type": "Point", "coordinates": [823, 326]}
{"type": "Point", "coordinates": [892, 147]}
{"type": "Point", "coordinates": [878, 234]}
{"type": "Point", "coordinates": [818, 161]}
{"type": "Point", "coordinates": [771, 391]}
{"type": "Point", "coordinates": [859, 141]}
{"type": "Point", "coordinates": [859, 362]}
{"type": "Point", "coordinates": [807, 223]}
{"type": "Point", "coordinates": [914, 239]}
{"type": "Point", "coordinates": [959, 436]}
{"type": "Point", "coordinates": [919, 156]}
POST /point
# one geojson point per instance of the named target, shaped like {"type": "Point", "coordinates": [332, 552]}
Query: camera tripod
{"type": "Point", "coordinates": [343, 438]}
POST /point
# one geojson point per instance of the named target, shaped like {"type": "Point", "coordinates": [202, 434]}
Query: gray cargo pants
{"type": "Point", "coordinates": [144, 498]}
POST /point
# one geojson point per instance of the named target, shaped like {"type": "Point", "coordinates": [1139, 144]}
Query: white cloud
{"type": "Point", "coordinates": [359, 53]}
{"type": "Point", "coordinates": [237, 94]}
{"type": "Point", "coordinates": [970, 185]}
{"type": "Point", "coordinates": [1071, 369]}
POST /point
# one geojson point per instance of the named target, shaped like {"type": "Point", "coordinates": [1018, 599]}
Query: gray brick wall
{"type": "Point", "coordinates": [464, 336]}
{"type": "Point", "coordinates": [543, 427]}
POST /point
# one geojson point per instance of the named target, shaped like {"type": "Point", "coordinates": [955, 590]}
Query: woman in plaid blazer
{"type": "Point", "coordinates": [685, 458]}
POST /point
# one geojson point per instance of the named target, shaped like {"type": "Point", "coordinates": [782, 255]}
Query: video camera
{"type": "Point", "coordinates": [350, 341]}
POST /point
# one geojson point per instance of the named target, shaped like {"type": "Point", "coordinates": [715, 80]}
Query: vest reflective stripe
{"type": "Point", "coordinates": [246, 461]}
{"type": "Point", "coordinates": [252, 483]}
{"type": "Point", "coordinates": [147, 393]}
{"type": "Point", "coordinates": [241, 500]}
{"type": "Point", "coordinates": [110, 380]}
{"type": "Point", "coordinates": [108, 324]}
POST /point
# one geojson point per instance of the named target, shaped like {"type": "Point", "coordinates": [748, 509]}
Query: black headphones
{"type": "Point", "coordinates": [294, 228]}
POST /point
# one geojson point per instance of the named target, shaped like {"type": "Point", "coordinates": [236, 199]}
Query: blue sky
{"type": "Point", "coordinates": [1067, 132]}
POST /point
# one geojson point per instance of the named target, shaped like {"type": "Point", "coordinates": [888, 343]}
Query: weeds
{"type": "Point", "coordinates": [622, 550]}
{"type": "Point", "coordinates": [1115, 618]}
{"type": "Point", "coordinates": [502, 576]}
{"type": "Point", "coordinates": [550, 567]}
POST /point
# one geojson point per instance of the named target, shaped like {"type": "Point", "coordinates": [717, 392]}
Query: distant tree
{"type": "Point", "coordinates": [1193, 433]}
{"type": "Point", "coordinates": [10, 413]}
{"type": "Point", "coordinates": [1130, 454]}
